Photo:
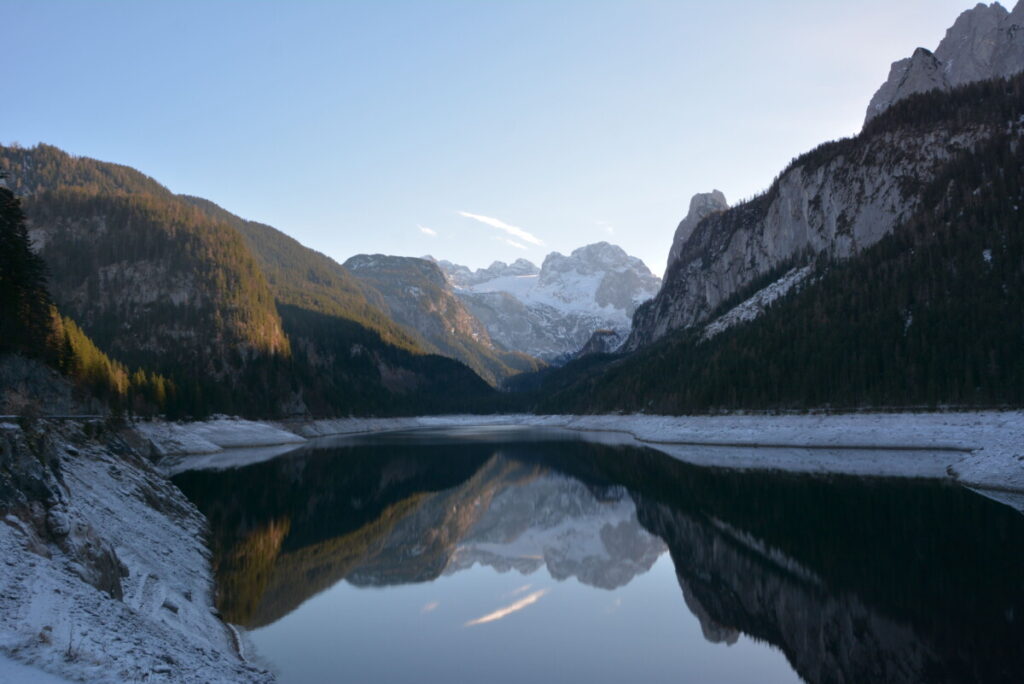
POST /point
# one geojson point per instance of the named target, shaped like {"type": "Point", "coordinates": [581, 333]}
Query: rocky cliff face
{"type": "Point", "coordinates": [985, 42]}
{"type": "Point", "coordinates": [841, 197]}
{"type": "Point", "coordinates": [551, 312]}
{"type": "Point", "coordinates": [417, 295]}
{"type": "Point", "coordinates": [702, 205]}
{"type": "Point", "coordinates": [837, 200]}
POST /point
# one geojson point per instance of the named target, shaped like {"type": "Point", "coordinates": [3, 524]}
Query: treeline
{"type": "Point", "coordinates": [930, 315]}
{"type": "Point", "coordinates": [343, 368]}
{"type": "Point", "coordinates": [45, 167]}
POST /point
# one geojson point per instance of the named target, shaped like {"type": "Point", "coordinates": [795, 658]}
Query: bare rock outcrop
{"type": "Point", "coordinates": [702, 205]}
{"type": "Point", "coordinates": [985, 42]}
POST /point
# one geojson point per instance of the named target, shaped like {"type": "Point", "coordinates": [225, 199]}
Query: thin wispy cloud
{"type": "Point", "coordinates": [429, 232]}
{"type": "Point", "coordinates": [430, 607]}
{"type": "Point", "coordinates": [514, 231]}
{"type": "Point", "coordinates": [606, 227]}
{"type": "Point", "coordinates": [520, 590]}
{"type": "Point", "coordinates": [508, 610]}
{"type": "Point", "coordinates": [513, 243]}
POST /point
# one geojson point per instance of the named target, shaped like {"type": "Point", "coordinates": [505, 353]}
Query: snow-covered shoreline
{"type": "Point", "coordinates": [983, 450]}
{"type": "Point", "coordinates": [108, 578]}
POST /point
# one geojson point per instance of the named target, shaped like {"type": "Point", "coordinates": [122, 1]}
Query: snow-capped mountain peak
{"type": "Point", "coordinates": [552, 311]}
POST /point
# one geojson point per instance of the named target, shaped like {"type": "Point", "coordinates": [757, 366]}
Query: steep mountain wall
{"type": "Point", "coordinates": [836, 200]}
{"type": "Point", "coordinates": [985, 42]}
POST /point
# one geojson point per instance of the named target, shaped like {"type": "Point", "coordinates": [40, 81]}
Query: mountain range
{"type": "Point", "coordinates": [880, 269]}
{"type": "Point", "coordinates": [551, 312]}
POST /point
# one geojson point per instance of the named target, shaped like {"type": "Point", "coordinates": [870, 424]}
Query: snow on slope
{"type": "Point", "coordinates": [162, 629]}
{"type": "Point", "coordinates": [213, 436]}
{"type": "Point", "coordinates": [12, 671]}
{"type": "Point", "coordinates": [552, 311]}
{"type": "Point", "coordinates": [756, 304]}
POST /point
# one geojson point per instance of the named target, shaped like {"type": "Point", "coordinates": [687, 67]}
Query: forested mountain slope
{"type": "Point", "coordinates": [181, 286]}
{"type": "Point", "coordinates": [415, 293]}
{"type": "Point", "coordinates": [930, 314]}
{"type": "Point", "coordinates": [304, 278]}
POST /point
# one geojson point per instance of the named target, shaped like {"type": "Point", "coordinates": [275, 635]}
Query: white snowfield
{"type": "Point", "coordinates": [163, 630]}
{"type": "Point", "coordinates": [980, 449]}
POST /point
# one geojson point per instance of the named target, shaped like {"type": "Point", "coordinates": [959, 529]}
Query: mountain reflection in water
{"type": "Point", "coordinates": [852, 579]}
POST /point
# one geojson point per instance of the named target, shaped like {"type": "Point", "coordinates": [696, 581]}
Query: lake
{"type": "Point", "coordinates": [504, 555]}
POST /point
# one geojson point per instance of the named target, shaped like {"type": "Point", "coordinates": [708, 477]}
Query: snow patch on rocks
{"type": "Point", "coordinates": [552, 311]}
{"type": "Point", "coordinates": [755, 305]}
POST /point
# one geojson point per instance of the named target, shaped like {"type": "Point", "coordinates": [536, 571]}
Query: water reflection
{"type": "Point", "coordinates": [854, 580]}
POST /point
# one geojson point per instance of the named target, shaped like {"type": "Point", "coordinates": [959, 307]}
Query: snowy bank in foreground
{"type": "Point", "coordinates": [149, 617]}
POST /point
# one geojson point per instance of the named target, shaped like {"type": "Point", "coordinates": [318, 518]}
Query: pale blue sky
{"type": "Point", "coordinates": [352, 125]}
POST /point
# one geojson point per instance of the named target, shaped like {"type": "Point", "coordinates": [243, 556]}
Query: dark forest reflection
{"type": "Point", "coordinates": [854, 580]}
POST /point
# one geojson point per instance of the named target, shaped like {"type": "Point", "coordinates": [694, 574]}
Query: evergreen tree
{"type": "Point", "coordinates": [25, 321]}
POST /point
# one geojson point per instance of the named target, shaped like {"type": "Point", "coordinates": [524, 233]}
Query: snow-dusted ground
{"type": "Point", "coordinates": [163, 629]}
{"type": "Point", "coordinates": [213, 436]}
{"type": "Point", "coordinates": [11, 672]}
{"type": "Point", "coordinates": [983, 449]}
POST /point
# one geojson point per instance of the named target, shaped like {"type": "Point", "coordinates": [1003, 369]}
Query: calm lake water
{"type": "Point", "coordinates": [527, 555]}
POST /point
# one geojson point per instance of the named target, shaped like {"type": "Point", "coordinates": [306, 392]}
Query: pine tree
{"type": "Point", "coordinates": [25, 319]}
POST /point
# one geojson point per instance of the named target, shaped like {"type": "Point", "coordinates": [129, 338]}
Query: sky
{"type": "Point", "coordinates": [470, 130]}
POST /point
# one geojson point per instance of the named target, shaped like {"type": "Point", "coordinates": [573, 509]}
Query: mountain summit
{"type": "Point", "coordinates": [985, 42]}
{"type": "Point", "coordinates": [702, 205]}
{"type": "Point", "coordinates": [552, 311]}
